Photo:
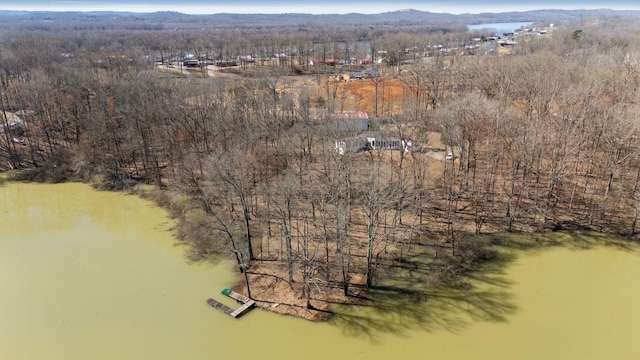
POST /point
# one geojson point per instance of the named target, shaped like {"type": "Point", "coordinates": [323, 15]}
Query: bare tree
{"type": "Point", "coordinates": [232, 171]}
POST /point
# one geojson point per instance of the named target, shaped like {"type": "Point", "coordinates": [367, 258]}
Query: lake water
{"type": "Point", "coordinates": [500, 28]}
{"type": "Point", "coordinates": [98, 275]}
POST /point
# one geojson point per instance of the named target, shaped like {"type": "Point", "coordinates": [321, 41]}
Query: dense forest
{"type": "Point", "coordinates": [235, 128]}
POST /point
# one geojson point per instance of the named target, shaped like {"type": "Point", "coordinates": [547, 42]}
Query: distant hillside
{"type": "Point", "coordinates": [395, 18]}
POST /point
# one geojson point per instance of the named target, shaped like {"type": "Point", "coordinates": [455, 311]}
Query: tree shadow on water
{"type": "Point", "coordinates": [406, 304]}
{"type": "Point", "coordinates": [569, 239]}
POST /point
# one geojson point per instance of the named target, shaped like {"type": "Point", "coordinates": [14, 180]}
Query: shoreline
{"type": "Point", "coordinates": [272, 292]}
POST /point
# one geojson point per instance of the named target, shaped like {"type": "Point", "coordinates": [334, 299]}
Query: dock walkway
{"type": "Point", "coordinates": [246, 302]}
{"type": "Point", "coordinates": [220, 306]}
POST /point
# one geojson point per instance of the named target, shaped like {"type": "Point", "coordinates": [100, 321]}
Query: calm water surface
{"type": "Point", "coordinates": [96, 275]}
{"type": "Point", "coordinates": [500, 28]}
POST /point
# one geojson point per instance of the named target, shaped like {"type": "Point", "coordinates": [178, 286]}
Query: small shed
{"type": "Point", "coordinates": [11, 122]}
{"type": "Point", "coordinates": [356, 75]}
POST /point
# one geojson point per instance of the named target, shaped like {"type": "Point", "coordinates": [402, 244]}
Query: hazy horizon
{"type": "Point", "coordinates": [326, 7]}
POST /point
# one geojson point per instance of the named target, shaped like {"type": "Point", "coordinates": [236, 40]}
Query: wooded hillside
{"type": "Point", "coordinates": [542, 134]}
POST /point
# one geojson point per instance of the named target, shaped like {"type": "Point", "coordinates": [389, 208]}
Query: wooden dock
{"type": "Point", "coordinates": [242, 309]}
{"type": "Point", "coordinates": [246, 302]}
{"type": "Point", "coordinates": [220, 306]}
{"type": "Point", "coordinates": [236, 296]}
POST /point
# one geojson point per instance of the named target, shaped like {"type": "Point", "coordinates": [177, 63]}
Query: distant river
{"type": "Point", "coordinates": [500, 28]}
{"type": "Point", "coordinates": [98, 275]}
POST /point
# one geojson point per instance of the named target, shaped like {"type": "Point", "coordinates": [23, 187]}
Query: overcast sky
{"type": "Point", "coordinates": [316, 7]}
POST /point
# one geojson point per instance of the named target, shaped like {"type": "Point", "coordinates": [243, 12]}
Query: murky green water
{"type": "Point", "coordinates": [96, 275]}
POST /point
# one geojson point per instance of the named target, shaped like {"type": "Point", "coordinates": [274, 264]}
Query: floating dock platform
{"type": "Point", "coordinates": [246, 302]}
